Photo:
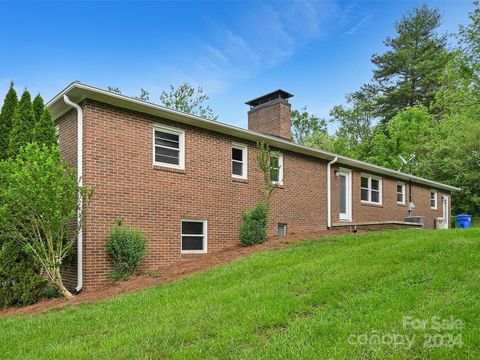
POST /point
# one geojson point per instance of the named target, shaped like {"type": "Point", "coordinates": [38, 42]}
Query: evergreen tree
{"type": "Point", "coordinates": [44, 130]}
{"type": "Point", "coordinates": [6, 116]}
{"type": "Point", "coordinates": [23, 123]}
{"type": "Point", "coordinates": [408, 73]}
{"type": "Point", "coordinates": [38, 107]}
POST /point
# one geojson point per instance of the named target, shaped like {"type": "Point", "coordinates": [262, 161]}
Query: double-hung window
{"type": "Point", "coordinates": [400, 193]}
{"type": "Point", "coordinates": [276, 168]}
{"type": "Point", "coordinates": [371, 189]}
{"type": "Point", "coordinates": [433, 199]}
{"type": "Point", "coordinates": [194, 236]}
{"type": "Point", "coordinates": [169, 147]}
{"type": "Point", "coordinates": [239, 161]}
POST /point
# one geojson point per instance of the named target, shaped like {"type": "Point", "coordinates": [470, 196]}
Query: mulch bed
{"type": "Point", "coordinates": [167, 274]}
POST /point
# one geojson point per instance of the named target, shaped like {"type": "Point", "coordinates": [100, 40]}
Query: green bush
{"type": "Point", "coordinates": [126, 247]}
{"type": "Point", "coordinates": [20, 282]}
{"type": "Point", "coordinates": [253, 229]}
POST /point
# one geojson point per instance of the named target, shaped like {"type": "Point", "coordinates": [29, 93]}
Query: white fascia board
{"type": "Point", "coordinates": [78, 92]}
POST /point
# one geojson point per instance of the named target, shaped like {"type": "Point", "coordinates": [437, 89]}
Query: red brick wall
{"type": "Point", "coordinates": [272, 118]}
{"type": "Point", "coordinates": [118, 163]}
{"type": "Point", "coordinates": [390, 209]}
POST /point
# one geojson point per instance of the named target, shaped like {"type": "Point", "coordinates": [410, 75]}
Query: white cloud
{"type": "Point", "coordinates": [261, 37]}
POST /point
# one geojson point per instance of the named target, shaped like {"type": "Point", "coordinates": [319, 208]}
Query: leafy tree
{"type": "Point", "coordinates": [6, 119]}
{"type": "Point", "coordinates": [38, 107]}
{"type": "Point", "coordinates": [408, 132]}
{"type": "Point", "coordinates": [38, 204]}
{"type": "Point", "coordinates": [187, 99]}
{"type": "Point", "coordinates": [44, 130]}
{"type": "Point", "coordinates": [469, 37]}
{"type": "Point", "coordinates": [22, 125]}
{"type": "Point", "coordinates": [306, 125]}
{"type": "Point", "coordinates": [408, 73]}
{"type": "Point", "coordinates": [355, 122]}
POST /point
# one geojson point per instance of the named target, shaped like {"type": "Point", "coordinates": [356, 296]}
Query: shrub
{"type": "Point", "coordinates": [38, 206]}
{"type": "Point", "coordinates": [253, 229]}
{"type": "Point", "coordinates": [20, 282]}
{"type": "Point", "coordinates": [126, 247]}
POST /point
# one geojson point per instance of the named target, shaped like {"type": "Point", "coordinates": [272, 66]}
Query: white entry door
{"type": "Point", "coordinates": [345, 194]}
{"type": "Point", "coordinates": [445, 211]}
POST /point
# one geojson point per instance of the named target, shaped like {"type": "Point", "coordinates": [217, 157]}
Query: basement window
{"type": "Point", "coordinates": [239, 161]}
{"type": "Point", "coordinates": [276, 168]}
{"type": "Point", "coordinates": [433, 199]}
{"type": "Point", "coordinates": [371, 189]}
{"type": "Point", "coordinates": [169, 147]}
{"type": "Point", "coordinates": [400, 193]}
{"type": "Point", "coordinates": [194, 236]}
{"type": "Point", "coordinates": [282, 229]}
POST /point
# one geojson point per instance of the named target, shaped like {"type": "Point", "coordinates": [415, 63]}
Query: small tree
{"type": "Point", "coordinates": [23, 123]}
{"type": "Point", "coordinates": [254, 226]}
{"type": "Point", "coordinates": [265, 161]}
{"type": "Point", "coordinates": [6, 116]}
{"type": "Point", "coordinates": [38, 204]}
{"type": "Point", "coordinates": [44, 130]}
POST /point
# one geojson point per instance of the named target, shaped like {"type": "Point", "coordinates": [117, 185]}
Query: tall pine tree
{"type": "Point", "coordinates": [22, 125]}
{"type": "Point", "coordinates": [44, 130]}
{"type": "Point", "coordinates": [38, 107]}
{"type": "Point", "coordinates": [409, 72]}
{"type": "Point", "coordinates": [6, 117]}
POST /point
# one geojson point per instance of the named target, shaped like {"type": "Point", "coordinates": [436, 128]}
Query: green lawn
{"type": "Point", "coordinates": [318, 299]}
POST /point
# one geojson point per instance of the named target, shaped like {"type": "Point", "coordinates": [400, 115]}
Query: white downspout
{"type": "Point", "coordinates": [80, 198]}
{"type": "Point", "coordinates": [329, 193]}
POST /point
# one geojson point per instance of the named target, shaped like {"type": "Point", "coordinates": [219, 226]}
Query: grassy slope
{"type": "Point", "coordinates": [302, 301]}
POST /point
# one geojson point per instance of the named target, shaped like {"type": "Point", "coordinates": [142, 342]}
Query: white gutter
{"type": "Point", "coordinates": [80, 198]}
{"type": "Point", "coordinates": [329, 193]}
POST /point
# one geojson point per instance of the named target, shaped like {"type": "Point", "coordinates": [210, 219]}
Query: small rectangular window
{"type": "Point", "coordinates": [276, 168]}
{"type": "Point", "coordinates": [194, 236]}
{"type": "Point", "coordinates": [239, 161]}
{"type": "Point", "coordinates": [400, 193]}
{"type": "Point", "coordinates": [282, 230]}
{"type": "Point", "coordinates": [168, 147]}
{"type": "Point", "coordinates": [371, 189]}
{"type": "Point", "coordinates": [433, 199]}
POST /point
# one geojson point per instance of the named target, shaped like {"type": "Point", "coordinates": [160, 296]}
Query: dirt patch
{"type": "Point", "coordinates": [164, 275]}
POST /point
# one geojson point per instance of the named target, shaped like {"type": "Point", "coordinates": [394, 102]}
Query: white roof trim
{"type": "Point", "coordinates": [78, 92]}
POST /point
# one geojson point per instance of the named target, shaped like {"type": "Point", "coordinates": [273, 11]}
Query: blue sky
{"type": "Point", "coordinates": [237, 51]}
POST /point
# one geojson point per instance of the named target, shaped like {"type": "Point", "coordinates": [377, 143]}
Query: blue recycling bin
{"type": "Point", "coordinates": [464, 221]}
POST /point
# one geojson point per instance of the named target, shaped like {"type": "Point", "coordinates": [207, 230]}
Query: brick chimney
{"type": "Point", "coordinates": [271, 114]}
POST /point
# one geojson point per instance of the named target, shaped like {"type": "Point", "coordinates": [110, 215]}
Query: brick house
{"type": "Point", "coordinates": [185, 180]}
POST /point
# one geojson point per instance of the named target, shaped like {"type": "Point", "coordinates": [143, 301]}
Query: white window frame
{"type": "Point", "coordinates": [402, 184]}
{"type": "Point", "coordinates": [380, 189]}
{"type": "Point", "coordinates": [244, 149]}
{"type": "Point", "coordinates": [348, 196]}
{"type": "Point", "coordinates": [280, 172]}
{"type": "Point", "coordinates": [181, 146]}
{"type": "Point", "coordinates": [435, 192]}
{"type": "Point", "coordinates": [205, 237]}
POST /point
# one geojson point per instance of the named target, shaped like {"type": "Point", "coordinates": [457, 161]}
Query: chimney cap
{"type": "Point", "coordinates": [269, 97]}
